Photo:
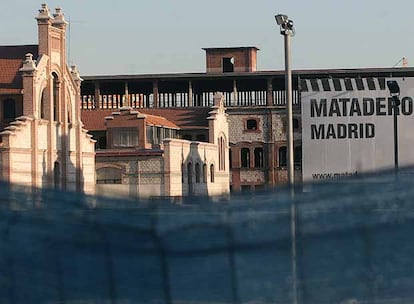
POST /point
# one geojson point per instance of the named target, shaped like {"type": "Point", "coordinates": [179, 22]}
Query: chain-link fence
{"type": "Point", "coordinates": [352, 244]}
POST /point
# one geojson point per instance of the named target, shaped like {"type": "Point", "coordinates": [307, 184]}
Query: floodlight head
{"type": "Point", "coordinates": [281, 19]}
{"type": "Point", "coordinates": [393, 87]}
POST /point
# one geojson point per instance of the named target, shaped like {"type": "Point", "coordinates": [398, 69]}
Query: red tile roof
{"type": "Point", "coordinates": [185, 118]}
{"type": "Point", "coordinates": [94, 120]}
{"type": "Point", "coordinates": [11, 60]}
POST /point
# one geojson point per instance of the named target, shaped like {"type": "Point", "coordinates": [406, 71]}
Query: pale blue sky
{"type": "Point", "coordinates": [161, 36]}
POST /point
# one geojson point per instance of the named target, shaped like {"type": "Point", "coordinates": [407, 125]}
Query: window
{"type": "Point", "coordinates": [221, 153]}
{"type": "Point", "coordinates": [258, 157]}
{"type": "Point", "coordinates": [109, 175]}
{"type": "Point", "coordinates": [56, 87]}
{"type": "Point", "coordinates": [204, 173]}
{"type": "Point", "coordinates": [298, 156]}
{"type": "Point", "coordinates": [190, 178]}
{"type": "Point", "coordinates": [150, 134]}
{"type": "Point", "coordinates": [295, 123]}
{"type": "Point", "coordinates": [251, 124]}
{"type": "Point", "coordinates": [9, 109]}
{"type": "Point", "coordinates": [101, 142]}
{"type": "Point", "coordinates": [283, 156]}
{"type": "Point", "coordinates": [182, 173]}
{"type": "Point", "coordinates": [56, 174]}
{"type": "Point", "coordinates": [159, 135]}
{"type": "Point", "coordinates": [42, 107]}
{"type": "Point", "coordinates": [197, 172]}
{"type": "Point", "coordinates": [187, 137]}
{"type": "Point", "coordinates": [228, 64]}
{"type": "Point", "coordinates": [212, 173]}
{"type": "Point", "coordinates": [125, 138]}
{"type": "Point", "coordinates": [69, 112]}
{"type": "Point", "coordinates": [245, 188]}
{"type": "Point", "coordinates": [245, 157]}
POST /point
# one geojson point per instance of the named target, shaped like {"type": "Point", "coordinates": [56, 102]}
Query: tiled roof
{"type": "Point", "coordinates": [11, 60]}
{"type": "Point", "coordinates": [185, 118]}
{"type": "Point", "coordinates": [94, 120]}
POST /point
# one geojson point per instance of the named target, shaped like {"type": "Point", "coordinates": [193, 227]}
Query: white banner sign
{"type": "Point", "coordinates": [349, 132]}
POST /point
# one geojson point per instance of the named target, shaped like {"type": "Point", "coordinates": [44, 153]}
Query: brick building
{"type": "Point", "coordinates": [161, 152]}
{"type": "Point", "coordinates": [254, 101]}
{"type": "Point", "coordinates": [43, 143]}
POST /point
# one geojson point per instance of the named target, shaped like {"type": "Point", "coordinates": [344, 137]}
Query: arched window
{"type": "Point", "coordinates": [190, 178]}
{"type": "Point", "coordinates": [212, 173]}
{"type": "Point", "coordinates": [9, 109]}
{"type": "Point", "coordinates": [56, 174]}
{"type": "Point", "coordinates": [283, 156]}
{"type": "Point", "coordinates": [189, 173]}
{"type": "Point", "coordinates": [245, 157]}
{"type": "Point", "coordinates": [197, 172]}
{"type": "Point", "coordinates": [109, 175]}
{"type": "Point", "coordinates": [56, 87]}
{"type": "Point", "coordinates": [221, 153]}
{"type": "Point", "coordinates": [204, 173]}
{"type": "Point", "coordinates": [258, 157]}
{"type": "Point", "coordinates": [69, 112]}
{"type": "Point", "coordinates": [42, 107]}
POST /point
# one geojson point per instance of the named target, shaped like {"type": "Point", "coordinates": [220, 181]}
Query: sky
{"type": "Point", "coordinates": [108, 37]}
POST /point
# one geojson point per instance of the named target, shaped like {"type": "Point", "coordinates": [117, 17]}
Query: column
{"type": "Point", "coordinates": [126, 102]}
{"type": "Point", "coordinates": [269, 97]}
{"type": "Point", "coordinates": [155, 93]}
{"type": "Point", "coordinates": [190, 94]}
{"type": "Point", "coordinates": [97, 96]}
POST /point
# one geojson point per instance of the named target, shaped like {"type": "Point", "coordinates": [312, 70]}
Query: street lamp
{"type": "Point", "coordinates": [287, 30]}
{"type": "Point", "coordinates": [394, 89]}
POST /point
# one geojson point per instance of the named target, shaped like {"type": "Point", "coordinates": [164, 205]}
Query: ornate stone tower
{"type": "Point", "coordinates": [49, 136]}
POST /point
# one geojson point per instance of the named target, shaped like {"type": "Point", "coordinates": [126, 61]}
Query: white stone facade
{"type": "Point", "coordinates": [47, 146]}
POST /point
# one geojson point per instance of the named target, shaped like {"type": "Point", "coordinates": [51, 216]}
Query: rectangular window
{"type": "Point", "coordinates": [150, 134]}
{"type": "Point", "coordinates": [125, 138]}
{"type": "Point", "coordinates": [228, 64]}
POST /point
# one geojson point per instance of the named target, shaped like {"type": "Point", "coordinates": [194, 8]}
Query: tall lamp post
{"type": "Point", "coordinates": [287, 30]}
{"type": "Point", "coordinates": [394, 89]}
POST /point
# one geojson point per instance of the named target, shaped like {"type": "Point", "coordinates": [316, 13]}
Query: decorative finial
{"type": "Point", "coordinates": [29, 65]}
{"type": "Point", "coordinates": [44, 13]}
{"type": "Point", "coordinates": [75, 74]}
{"type": "Point", "coordinates": [59, 18]}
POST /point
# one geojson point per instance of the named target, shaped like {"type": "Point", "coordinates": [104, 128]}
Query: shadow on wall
{"type": "Point", "coordinates": [195, 172]}
{"type": "Point", "coordinates": [63, 173]}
